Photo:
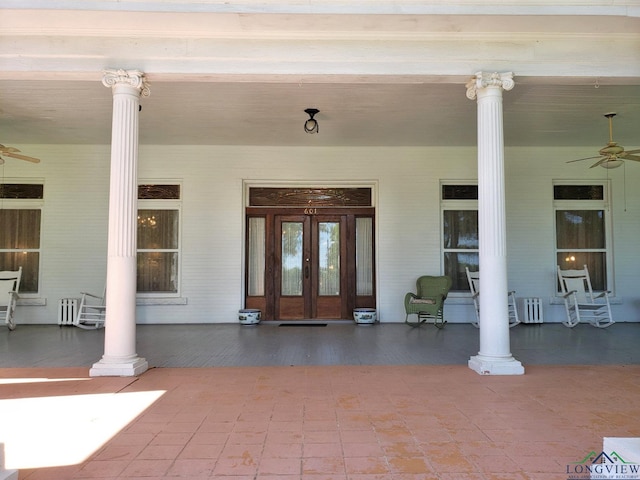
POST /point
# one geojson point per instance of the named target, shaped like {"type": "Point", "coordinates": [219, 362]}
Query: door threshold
{"type": "Point", "coordinates": [307, 323]}
{"type": "Point", "coordinates": [296, 324]}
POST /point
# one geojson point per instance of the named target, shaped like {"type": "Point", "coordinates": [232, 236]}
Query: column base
{"type": "Point", "coordinates": [131, 367]}
{"type": "Point", "coordinates": [495, 366]}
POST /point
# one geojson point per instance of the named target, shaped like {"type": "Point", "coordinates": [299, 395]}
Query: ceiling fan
{"type": "Point", "coordinates": [612, 155]}
{"type": "Point", "coordinates": [13, 153]}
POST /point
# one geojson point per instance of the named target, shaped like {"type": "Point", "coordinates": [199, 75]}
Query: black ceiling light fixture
{"type": "Point", "coordinates": [311, 125]}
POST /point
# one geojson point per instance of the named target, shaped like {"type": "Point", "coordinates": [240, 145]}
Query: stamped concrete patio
{"type": "Point", "coordinates": [341, 402]}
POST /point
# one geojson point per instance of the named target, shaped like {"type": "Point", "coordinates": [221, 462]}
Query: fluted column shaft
{"type": "Point", "coordinates": [120, 357]}
{"type": "Point", "coordinates": [494, 356]}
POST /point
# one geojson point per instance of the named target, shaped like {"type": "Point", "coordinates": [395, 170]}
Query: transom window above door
{"type": "Point", "coordinates": [316, 197]}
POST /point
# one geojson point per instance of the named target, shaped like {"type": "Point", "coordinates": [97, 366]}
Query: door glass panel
{"type": "Point", "coordinates": [329, 258]}
{"type": "Point", "coordinates": [291, 258]}
{"type": "Point", "coordinates": [256, 256]}
{"type": "Point", "coordinates": [364, 256]}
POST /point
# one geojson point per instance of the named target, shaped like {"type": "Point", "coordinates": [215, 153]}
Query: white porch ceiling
{"type": "Point", "coordinates": [242, 73]}
{"type": "Point", "coordinates": [396, 113]}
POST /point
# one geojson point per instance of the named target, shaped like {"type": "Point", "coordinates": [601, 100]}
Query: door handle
{"type": "Point", "coordinates": [306, 268]}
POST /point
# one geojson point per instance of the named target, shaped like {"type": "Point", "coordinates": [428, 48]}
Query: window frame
{"type": "Point", "coordinates": [455, 205]}
{"type": "Point", "coordinates": [27, 204]}
{"type": "Point", "coordinates": [162, 204]}
{"type": "Point", "coordinates": [603, 205]}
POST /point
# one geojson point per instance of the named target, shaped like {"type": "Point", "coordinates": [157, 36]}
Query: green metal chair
{"type": "Point", "coordinates": [428, 302]}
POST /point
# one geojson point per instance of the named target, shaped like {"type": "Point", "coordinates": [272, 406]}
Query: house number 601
{"type": "Point", "coordinates": [310, 211]}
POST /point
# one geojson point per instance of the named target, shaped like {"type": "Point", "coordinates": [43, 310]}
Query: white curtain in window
{"type": "Point", "coordinates": [20, 244]}
{"type": "Point", "coordinates": [580, 240]}
{"type": "Point", "coordinates": [460, 245]}
{"type": "Point", "coordinates": [157, 262]}
{"type": "Point", "coordinates": [256, 256]}
{"type": "Point", "coordinates": [364, 256]}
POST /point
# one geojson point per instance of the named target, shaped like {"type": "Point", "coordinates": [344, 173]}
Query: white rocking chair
{"type": "Point", "coordinates": [91, 312]}
{"type": "Point", "coordinates": [474, 284]}
{"type": "Point", "coordinates": [9, 286]}
{"type": "Point", "coordinates": [580, 302]}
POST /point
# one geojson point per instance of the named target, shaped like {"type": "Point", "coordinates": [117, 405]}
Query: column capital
{"type": "Point", "coordinates": [133, 78]}
{"type": "Point", "coordinates": [484, 80]}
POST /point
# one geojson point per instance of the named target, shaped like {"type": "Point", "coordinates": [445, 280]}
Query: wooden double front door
{"type": "Point", "coordinates": [309, 263]}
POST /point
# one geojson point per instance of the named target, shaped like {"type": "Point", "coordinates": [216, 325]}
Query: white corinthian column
{"type": "Point", "coordinates": [120, 358]}
{"type": "Point", "coordinates": [494, 357]}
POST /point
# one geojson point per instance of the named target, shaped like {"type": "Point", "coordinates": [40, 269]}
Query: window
{"type": "Point", "coordinates": [20, 219]}
{"type": "Point", "coordinates": [256, 257]}
{"type": "Point", "coordinates": [158, 251]}
{"type": "Point", "coordinates": [459, 204]}
{"type": "Point", "coordinates": [583, 230]}
{"type": "Point", "coordinates": [364, 256]}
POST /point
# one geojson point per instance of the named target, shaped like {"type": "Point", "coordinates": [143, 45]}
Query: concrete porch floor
{"type": "Point", "coordinates": [339, 343]}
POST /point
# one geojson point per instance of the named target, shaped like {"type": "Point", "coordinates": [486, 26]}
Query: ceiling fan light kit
{"type": "Point", "coordinates": [612, 164]}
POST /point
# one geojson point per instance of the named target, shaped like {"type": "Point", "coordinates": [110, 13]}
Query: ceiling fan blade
{"type": "Point", "coordinates": [635, 158]}
{"type": "Point", "coordinates": [586, 158]}
{"type": "Point", "coordinates": [623, 154]}
{"type": "Point", "coordinates": [602, 160]}
{"type": "Point", "coordinates": [21, 157]}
